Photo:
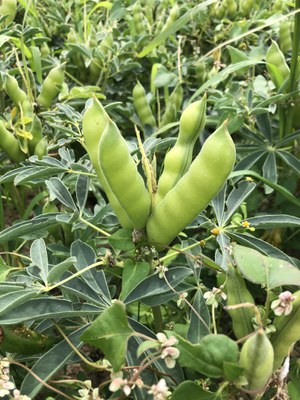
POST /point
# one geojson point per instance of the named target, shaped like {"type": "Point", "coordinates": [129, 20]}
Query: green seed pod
{"type": "Point", "coordinates": [276, 65]}
{"type": "Point", "coordinates": [219, 10]}
{"type": "Point", "coordinates": [8, 8]}
{"type": "Point", "coordinates": [179, 158]}
{"type": "Point", "coordinates": [142, 107]}
{"type": "Point", "coordinates": [279, 5]}
{"type": "Point", "coordinates": [36, 132]}
{"type": "Point", "coordinates": [116, 170]}
{"type": "Point", "coordinates": [51, 86]}
{"type": "Point", "coordinates": [238, 293]}
{"type": "Point", "coordinates": [10, 145]}
{"type": "Point", "coordinates": [22, 340]}
{"type": "Point", "coordinates": [257, 358]}
{"type": "Point", "coordinates": [285, 38]}
{"type": "Point", "coordinates": [201, 72]}
{"type": "Point", "coordinates": [193, 192]}
{"type": "Point", "coordinates": [231, 8]}
{"type": "Point", "coordinates": [138, 20]}
{"type": "Point", "coordinates": [41, 148]}
{"type": "Point", "coordinates": [287, 332]}
{"type": "Point", "coordinates": [173, 106]}
{"type": "Point", "coordinates": [245, 7]}
{"type": "Point", "coordinates": [174, 13]}
{"type": "Point", "coordinates": [13, 90]}
{"type": "Point", "coordinates": [122, 176]}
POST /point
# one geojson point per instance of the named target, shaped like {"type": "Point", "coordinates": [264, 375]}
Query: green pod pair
{"type": "Point", "coordinates": [116, 169]}
{"type": "Point", "coordinates": [287, 332]}
{"type": "Point", "coordinates": [237, 293]}
{"type": "Point", "coordinates": [51, 86]}
{"type": "Point", "coordinates": [276, 65]}
{"type": "Point", "coordinates": [256, 358]}
{"type": "Point", "coordinates": [179, 158]}
{"type": "Point", "coordinates": [193, 192]}
{"type": "Point", "coordinates": [142, 106]}
{"type": "Point", "coordinates": [10, 145]}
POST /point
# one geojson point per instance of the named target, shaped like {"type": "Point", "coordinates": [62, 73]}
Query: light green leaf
{"type": "Point", "coordinates": [209, 355]}
{"type": "Point", "coordinates": [263, 270]}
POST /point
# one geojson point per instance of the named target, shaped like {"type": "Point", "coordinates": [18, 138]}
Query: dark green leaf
{"type": "Point", "coordinates": [190, 390]}
{"type": "Point", "coordinates": [199, 319]}
{"type": "Point", "coordinates": [39, 257]}
{"type": "Point", "coordinates": [110, 333]}
{"type": "Point", "coordinates": [50, 363]}
{"type": "Point", "coordinates": [60, 191]}
{"type": "Point", "coordinates": [133, 273]}
{"type": "Point", "coordinates": [154, 285]}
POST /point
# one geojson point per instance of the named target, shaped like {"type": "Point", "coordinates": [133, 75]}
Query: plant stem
{"type": "Point", "coordinates": [94, 227]}
{"type": "Point", "coordinates": [158, 321]}
{"type": "Point", "coordinates": [294, 71]}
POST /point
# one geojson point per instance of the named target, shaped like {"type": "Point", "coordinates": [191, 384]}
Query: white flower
{"type": "Point", "coordinates": [283, 305]}
{"type": "Point", "coordinates": [170, 354]}
{"type": "Point", "coordinates": [160, 390]}
{"type": "Point", "coordinates": [119, 383]}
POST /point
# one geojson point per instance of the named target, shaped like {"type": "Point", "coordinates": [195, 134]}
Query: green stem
{"type": "Point", "coordinates": [294, 71]}
{"type": "Point", "coordinates": [158, 321]}
{"type": "Point", "coordinates": [94, 227]}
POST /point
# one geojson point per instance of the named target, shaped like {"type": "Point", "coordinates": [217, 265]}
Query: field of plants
{"type": "Point", "coordinates": [149, 208]}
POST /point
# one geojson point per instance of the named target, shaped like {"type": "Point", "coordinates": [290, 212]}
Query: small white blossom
{"type": "Point", "coordinates": [214, 296]}
{"type": "Point", "coordinates": [283, 305]}
{"type": "Point", "coordinates": [181, 299]}
{"type": "Point", "coordinates": [170, 354]}
{"type": "Point", "coordinates": [160, 390]}
{"type": "Point", "coordinates": [118, 384]}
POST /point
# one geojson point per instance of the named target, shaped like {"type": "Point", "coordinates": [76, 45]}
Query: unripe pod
{"type": "Point", "coordinates": [13, 90]}
{"type": "Point", "coordinates": [287, 332]}
{"type": "Point", "coordinates": [141, 105]}
{"type": "Point", "coordinates": [231, 8]}
{"type": "Point", "coordinates": [179, 158]}
{"type": "Point", "coordinates": [194, 190]}
{"type": "Point", "coordinates": [173, 106]}
{"type": "Point", "coordinates": [138, 19]}
{"type": "Point", "coordinates": [285, 38]}
{"type": "Point", "coordinates": [238, 293]}
{"type": "Point", "coordinates": [8, 8]}
{"type": "Point", "coordinates": [245, 7]}
{"type": "Point", "coordinates": [41, 148]}
{"type": "Point", "coordinates": [120, 172]}
{"type": "Point", "coordinates": [116, 170]}
{"type": "Point", "coordinates": [37, 133]}
{"type": "Point", "coordinates": [10, 145]}
{"type": "Point", "coordinates": [174, 13]}
{"type": "Point", "coordinates": [51, 86]}
{"type": "Point", "coordinates": [257, 358]}
{"type": "Point", "coordinates": [276, 62]}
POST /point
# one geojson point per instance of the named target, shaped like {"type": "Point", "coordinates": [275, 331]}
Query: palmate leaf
{"type": "Point", "coordinates": [280, 189]}
{"type": "Point", "coordinates": [110, 333]}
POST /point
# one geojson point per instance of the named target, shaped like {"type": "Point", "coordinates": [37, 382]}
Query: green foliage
{"type": "Point", "coordinates": [133, 262]}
